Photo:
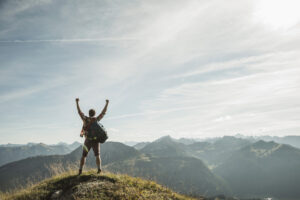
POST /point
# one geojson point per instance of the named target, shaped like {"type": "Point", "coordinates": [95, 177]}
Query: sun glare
{"type": "Point", "coordinates": [278, 14]}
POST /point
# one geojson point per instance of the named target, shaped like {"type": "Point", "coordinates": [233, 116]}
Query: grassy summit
{"type": "Point", "coordinates": [92, 186]}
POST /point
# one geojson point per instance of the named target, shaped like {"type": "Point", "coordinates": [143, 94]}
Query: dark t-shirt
{"type": "Point", "coordinates": [86, 121]}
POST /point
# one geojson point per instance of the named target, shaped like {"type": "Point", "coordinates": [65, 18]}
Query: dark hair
{"type": "Point", "coordinates": [92, 112]}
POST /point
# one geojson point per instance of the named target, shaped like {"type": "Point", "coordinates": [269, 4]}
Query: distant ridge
{"type": "Point", "coordinates": [293, 140]}
{"type": "Point", "coordinates": [227, 165]}
{"type": "Point", "coordinates": [10, 153]}
{"type": "Point", "coordinates": [263, 168]}
{"type": "Point", "coordinates": [164, 147]}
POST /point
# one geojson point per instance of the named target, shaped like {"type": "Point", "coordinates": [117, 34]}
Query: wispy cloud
{"type": "Point", "coordinates": [270, 95]}
{"type": "Point", "coordinates": [155, 112]}
{"type": "Point", "coordinates": [196, 68]}
{"type": "Point", "coordinates": [78, 40]}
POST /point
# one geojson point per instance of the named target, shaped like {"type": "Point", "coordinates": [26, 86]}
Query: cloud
{"type": "Point", "coordinates": [221, 119]}
{"type": "Point", "coordinates": [269, 95]}
{"type": "Point", "coordinates": [170, 65]}
{"type": "Point", "coordinates": [12, 8]}
{"type": "Point", "coordinates": [21, 93]}
{"type": "Point", "coordinates": [79, 40]}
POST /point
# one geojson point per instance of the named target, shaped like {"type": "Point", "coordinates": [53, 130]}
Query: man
{"type": "Point", "coordinates": [90, 143]}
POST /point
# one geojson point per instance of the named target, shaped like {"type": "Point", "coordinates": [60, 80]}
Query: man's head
{"type": "Point", "coordinates": [92, 112]}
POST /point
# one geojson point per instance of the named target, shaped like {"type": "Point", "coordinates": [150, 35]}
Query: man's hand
{"type": "Point", "coordinates": [107, 101]}
{"type": "Point", "coordinates": [77, 99]}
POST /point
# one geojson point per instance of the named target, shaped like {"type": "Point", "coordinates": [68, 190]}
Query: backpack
{"type": "Point", "coordinates": [96, 131]}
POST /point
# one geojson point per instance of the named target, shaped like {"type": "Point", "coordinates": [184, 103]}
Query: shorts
{"type": "Point", "coordinates": [88, 144]}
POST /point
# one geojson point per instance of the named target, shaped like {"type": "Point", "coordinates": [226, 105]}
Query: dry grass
{"type": "Point", "coordinates": [92, 186]}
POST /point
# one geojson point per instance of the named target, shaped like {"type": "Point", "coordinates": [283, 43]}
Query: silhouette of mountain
{"type": "Point", "coordinates": [215, 153]}
{"type": "Point", "coordinates": [263, 168]}
{"type": "Point", "coordinates": [165, 147]}
{"type": "Point", "coordinates": [291, 140]}
{"type": "Point", "coordinates": [186, 141]}
{"type": "Point", "coordinates": [140, 145]}
{"type": "Point", "coordinates": [74, 145]}
{"type": "Point", "coordinates": [14, 153]}
{"type": "Point", "coordinates": [11, 145]}
{"type": "Point", "coordinates": [130, 143]}
{"type": "Point", "coordinates": [71, 146]}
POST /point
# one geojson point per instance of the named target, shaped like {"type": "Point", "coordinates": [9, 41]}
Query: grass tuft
{"type": "Point", "coordinates": [90, 185]}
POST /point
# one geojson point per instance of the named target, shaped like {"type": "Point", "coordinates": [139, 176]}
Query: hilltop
{"type": "Point", "coordinates": [186, 175]}
{"type": "Point", "coordinates": [93, 186]}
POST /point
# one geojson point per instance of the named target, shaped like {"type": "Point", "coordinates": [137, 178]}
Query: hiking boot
{"type": "Point", "coordinates": [99, 171]}
{"type": "Point", "coordinates": [79, 172]}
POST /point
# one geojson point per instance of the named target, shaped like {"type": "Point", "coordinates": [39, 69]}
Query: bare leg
{"type": "Point", "coordinates": [98, 162]}
{"type": "Point", "coordinates": [82, 161]}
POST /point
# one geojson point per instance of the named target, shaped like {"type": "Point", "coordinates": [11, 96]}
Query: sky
{"type": "Point", "coordinates": [193, 69]}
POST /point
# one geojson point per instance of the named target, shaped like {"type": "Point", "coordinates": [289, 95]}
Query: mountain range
{"type": "Point", "coordinates": [229, 165]}
{"type": "Point", "coordinates": [263, 168]}
{"type": "Point", "coordinates": [14, 152]}
{"type": "Point", "coordinates": [176, 173]}
{"type": "Point", "coordinates": [293, 140]}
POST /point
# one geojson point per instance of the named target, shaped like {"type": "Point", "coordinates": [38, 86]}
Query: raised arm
{"type": "Point", "coordinates": [101, 115]}
{"type": "Point", "coordinates": [78, 109]}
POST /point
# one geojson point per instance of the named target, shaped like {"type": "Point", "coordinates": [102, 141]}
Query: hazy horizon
{"type": "Point", "coordinates": [139, 141]}
{"type": "Point", "coordinates": [193, 69]}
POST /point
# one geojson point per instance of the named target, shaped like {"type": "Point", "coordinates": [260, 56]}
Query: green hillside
{"type": "Point", "coordinates": [92, 186]}
{"type": "Point", "coordinates": [186, 175]}
{"type": "Point", "coordinates": [263, 168]}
